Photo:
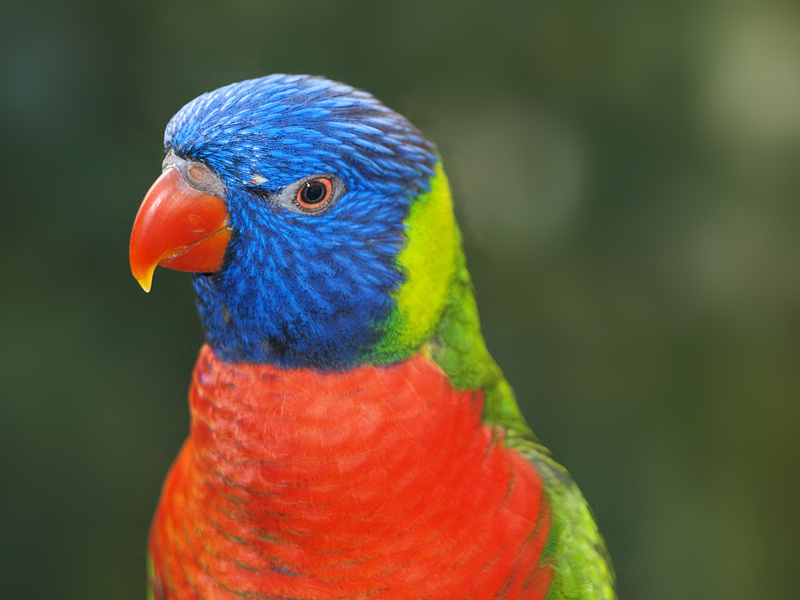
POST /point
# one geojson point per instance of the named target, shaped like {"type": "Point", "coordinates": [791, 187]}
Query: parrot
{"type": "Point", "coordinates": [351, 437]}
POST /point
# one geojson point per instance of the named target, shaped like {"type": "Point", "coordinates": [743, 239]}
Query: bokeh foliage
{"type": "Point", "coordinates": [626, 175]}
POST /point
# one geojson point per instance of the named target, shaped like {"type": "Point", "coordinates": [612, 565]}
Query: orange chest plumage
{"type": "Point", "coordinates": [379, 482]}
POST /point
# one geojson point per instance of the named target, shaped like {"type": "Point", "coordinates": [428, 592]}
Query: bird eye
{"type": "Point", "coordinates": [315, 193]}
{"type": "Point", "coordinates": [310, 195]}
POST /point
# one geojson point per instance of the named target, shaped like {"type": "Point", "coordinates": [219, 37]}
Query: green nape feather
{"type": "Point", "coordinates": [442, 321]}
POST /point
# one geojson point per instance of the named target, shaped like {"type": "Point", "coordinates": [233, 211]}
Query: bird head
{"type": "Point", "coordinates": [317, 223]}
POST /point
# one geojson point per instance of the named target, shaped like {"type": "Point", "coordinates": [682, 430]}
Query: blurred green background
{"type": "Point", "coordinates": [627, 177]}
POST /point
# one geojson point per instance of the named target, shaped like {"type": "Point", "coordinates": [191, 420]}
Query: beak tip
{"type": "Point", "coordinates": [145, 279]}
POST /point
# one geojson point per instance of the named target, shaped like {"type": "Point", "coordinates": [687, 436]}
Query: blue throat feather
{"type": "Point", "coordinates": [304, 289]}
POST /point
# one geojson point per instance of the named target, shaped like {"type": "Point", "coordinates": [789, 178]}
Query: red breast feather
{"type": "Point", "coordinates": [378, 482]}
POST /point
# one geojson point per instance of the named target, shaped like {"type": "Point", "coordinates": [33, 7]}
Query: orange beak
{"type": "Point", "coordinates": [178, 227]}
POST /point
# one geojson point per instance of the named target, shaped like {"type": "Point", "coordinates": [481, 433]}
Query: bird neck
{"type": "Point", "coordinates": [268, 415]}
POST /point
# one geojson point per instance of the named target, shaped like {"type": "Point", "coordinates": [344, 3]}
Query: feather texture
{"type": "Point", "coordinates": [351, 435]}
{"type": "Point", "coordinates": [376, 482]}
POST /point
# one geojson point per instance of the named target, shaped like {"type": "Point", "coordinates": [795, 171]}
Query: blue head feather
{"type": "Point", "coordinates": [303, 289]}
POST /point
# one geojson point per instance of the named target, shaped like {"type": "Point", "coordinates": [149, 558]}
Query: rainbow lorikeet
{"type": "Point", "coordinates": [351, 436]}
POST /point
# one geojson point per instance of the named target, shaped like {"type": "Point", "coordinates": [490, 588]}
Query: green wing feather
{"type": "Point", "coordinates": [575, 548]}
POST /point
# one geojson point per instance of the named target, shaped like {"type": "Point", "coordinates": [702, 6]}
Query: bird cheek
{"type": "Point", "coordinates": [178, 227]}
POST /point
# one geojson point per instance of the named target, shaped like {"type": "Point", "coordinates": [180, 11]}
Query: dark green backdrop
{"type": "Point", "coordinates": [627, 177]}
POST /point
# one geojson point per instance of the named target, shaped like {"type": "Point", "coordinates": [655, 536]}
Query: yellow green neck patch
{"type": "Point", "coordinates": [428, 262]}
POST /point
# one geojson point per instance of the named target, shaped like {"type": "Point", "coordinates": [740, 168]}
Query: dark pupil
{"type": "Point", "coordinates": [313, 192]}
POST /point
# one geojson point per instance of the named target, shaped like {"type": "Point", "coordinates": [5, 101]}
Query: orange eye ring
{"type": "Point", "coordinates": [314, 193]}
